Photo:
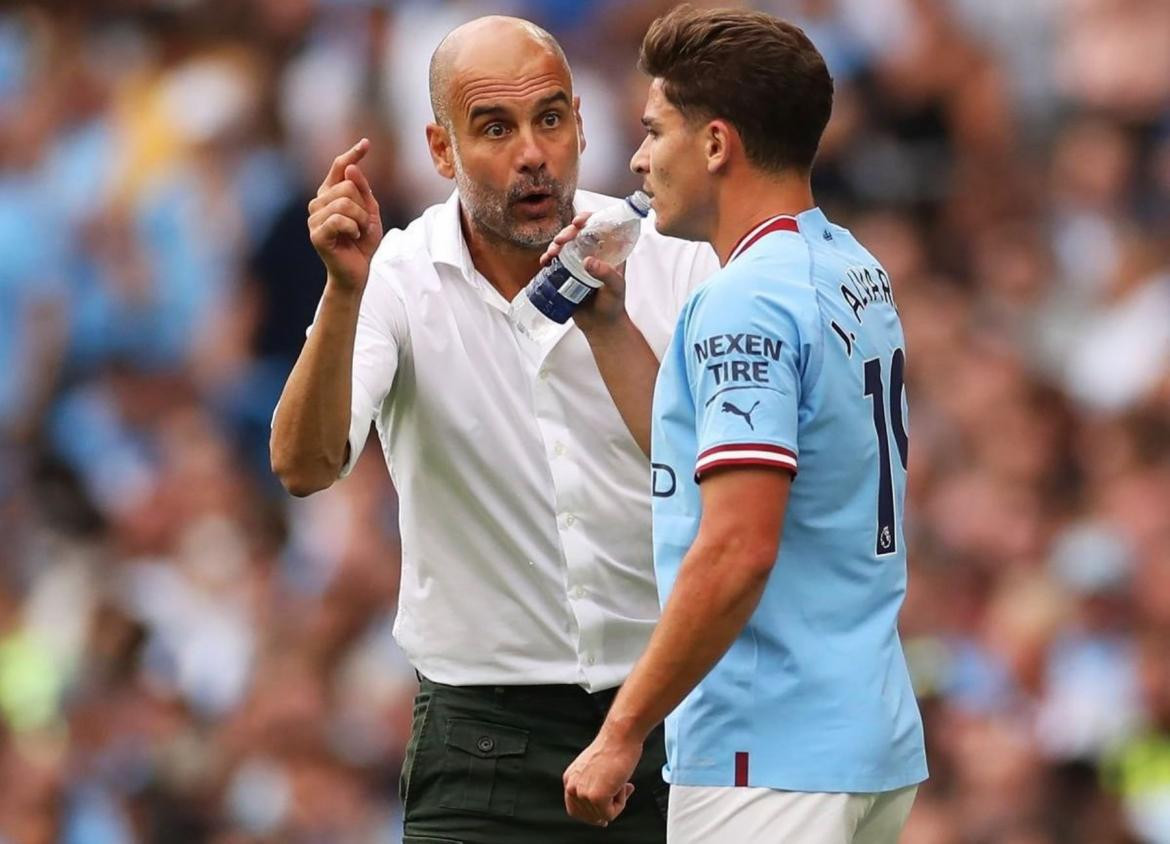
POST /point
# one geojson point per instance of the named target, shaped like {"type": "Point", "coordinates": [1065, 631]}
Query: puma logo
{"type": "Point", "coordinates": [728, 407]}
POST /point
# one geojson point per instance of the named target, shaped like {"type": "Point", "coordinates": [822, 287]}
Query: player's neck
{"type": "Point", "coordinates": [505, 265]}
{"type": "Point", "coordinates": [745, 202]}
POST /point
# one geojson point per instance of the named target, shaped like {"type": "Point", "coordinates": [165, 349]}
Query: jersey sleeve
{"type": "Point", "coordinates": [745, 357]}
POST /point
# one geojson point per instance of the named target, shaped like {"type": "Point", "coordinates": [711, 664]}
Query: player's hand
{"type": "Point", "coordinates": [604, 308]}
{"type": "Point", "coordinates": [345, 224]}
{"type": "Point", "coordinates": [566, 234]}
{"type": "Point", "coordinates": [597, 784]}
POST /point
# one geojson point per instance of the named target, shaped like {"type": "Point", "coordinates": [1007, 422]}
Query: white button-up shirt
{"type": "Point", "coordinates": [524, 500]}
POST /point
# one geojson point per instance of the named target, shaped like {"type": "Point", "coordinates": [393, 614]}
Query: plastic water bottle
{"type": "Point", "coordinates": [560, 287]}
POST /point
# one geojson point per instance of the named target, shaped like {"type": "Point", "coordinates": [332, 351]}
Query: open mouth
{"type": "Point", "coordinates": [537, 201]}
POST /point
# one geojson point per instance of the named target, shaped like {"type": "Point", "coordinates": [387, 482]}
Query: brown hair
{"type": "Point", "coordinates": [760, 74]}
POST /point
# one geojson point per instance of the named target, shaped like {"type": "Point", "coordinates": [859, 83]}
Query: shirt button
{"type": "Point", "coordinates": [578, 592]}
{"type": "Point", "coordinates": [559, 449]}
{"type": "Point", "coordinates": [591, 660]}
{"type": "Point", "coordinates": [544, 373]}
{"type": "Point", "coordinates": [570, 520]}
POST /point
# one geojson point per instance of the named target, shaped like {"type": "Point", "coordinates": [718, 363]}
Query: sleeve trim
{"type": "Point", "coordinates": [745, 454]}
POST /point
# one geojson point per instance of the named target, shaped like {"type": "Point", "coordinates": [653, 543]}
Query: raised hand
{"type": "Point", "coordinates": [345, 224]}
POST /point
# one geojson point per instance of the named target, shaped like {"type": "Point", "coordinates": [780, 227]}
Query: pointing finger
{"type": "Point", "coordinates": [351, 156]}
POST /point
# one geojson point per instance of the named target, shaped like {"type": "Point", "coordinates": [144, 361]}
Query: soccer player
{"type": "Point", "coordinates": [778, 441]}
{"type": "Point", "coordinates": [527, 582]}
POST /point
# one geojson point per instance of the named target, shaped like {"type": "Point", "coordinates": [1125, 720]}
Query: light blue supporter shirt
{"type": "Point", "coordinates": [792, 357]}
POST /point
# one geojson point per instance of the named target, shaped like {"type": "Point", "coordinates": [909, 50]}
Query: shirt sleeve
{"type": "Point", "coordinates": [381, 335]}
{"type": "Point", "coordinates": [745, 359]}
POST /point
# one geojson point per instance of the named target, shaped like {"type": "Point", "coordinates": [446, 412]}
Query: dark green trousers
{"type": "Point", "coordinates": [484, 766]}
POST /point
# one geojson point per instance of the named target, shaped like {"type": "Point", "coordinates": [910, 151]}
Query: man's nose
{"type": "Point", "coordinates": [640, 162]}
{"type": "Point", "coordinates": [531, 155]}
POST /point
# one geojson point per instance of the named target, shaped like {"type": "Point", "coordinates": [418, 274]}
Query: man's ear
{"type": "Point", "coordinates": [718, 139]}
{"type": "Point", "coordinates": [580, 125]}
{"type": "Point", "coordinates": [442, 153]}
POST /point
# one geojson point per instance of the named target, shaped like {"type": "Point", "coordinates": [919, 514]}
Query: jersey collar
{"type": "Point", "coordinates": [779, 223]}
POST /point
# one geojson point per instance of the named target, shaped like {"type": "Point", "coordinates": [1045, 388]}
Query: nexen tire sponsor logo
{"type": "Point", "coordinates": [709, 350]}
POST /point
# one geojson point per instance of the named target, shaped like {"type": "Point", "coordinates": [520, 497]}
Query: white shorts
{"type": "Point", "coordinates": [700, 815]}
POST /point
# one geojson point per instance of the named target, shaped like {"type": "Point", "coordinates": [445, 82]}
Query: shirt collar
{"type": "Point", "coordinates": [779, 223]}
{"type": "Point", "coordinates": [811, 223]}
{"type": "Point", "coordinates": [447, 243]}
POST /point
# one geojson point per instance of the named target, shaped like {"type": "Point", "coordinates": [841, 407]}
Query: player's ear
{"type": "Point", "coordinates": [717, 136]}
{"type": "Point", "coordinates": [580, 125]}
{"type": "Point", "coordinates": [442, 150]}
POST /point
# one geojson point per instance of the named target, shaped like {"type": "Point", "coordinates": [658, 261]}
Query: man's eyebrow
{"type": "Point", "coordinates": [559, 97]}
{"type": "Point", "coordinates": [488, 111]}
{"type": "Point", "coordinates": [649, 122]}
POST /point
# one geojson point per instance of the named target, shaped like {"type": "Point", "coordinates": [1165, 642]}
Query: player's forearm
{"type": "Point", "coordinates": [628, 366]}
{"type": "Point", "coordinates": [310, 432]}
{"type": "Point", "coordinates": [718, 588]}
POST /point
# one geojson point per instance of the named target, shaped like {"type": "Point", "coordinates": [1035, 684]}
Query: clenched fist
{"type": "Point", "coordinates": [345, 224]}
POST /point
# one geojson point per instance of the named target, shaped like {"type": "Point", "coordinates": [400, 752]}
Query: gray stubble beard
{"type": "Point", "coordinates": [488, 211]}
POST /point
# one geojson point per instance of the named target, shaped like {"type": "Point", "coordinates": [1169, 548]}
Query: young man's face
{"type": "Point", "coordinates": [673, 165]}
{"type": "Point", "coordinates": [515, 145]}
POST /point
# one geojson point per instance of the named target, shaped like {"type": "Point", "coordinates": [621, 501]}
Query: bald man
{"type": "Point", "coordinates": [527, 588]}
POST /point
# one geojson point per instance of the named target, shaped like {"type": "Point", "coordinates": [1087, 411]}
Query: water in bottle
{"type": "Point", "coordinates": [609, 235]}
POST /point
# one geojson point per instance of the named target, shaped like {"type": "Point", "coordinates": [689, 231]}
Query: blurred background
{"type": "Point", "coordinates": [189, 655]}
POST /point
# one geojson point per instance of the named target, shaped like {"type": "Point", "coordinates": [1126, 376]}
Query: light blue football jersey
{"type": "Point", "coordinates": [792, 356]}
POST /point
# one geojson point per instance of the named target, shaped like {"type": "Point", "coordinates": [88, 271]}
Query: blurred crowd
{"type": "Point", "coordinates": [189, 655]}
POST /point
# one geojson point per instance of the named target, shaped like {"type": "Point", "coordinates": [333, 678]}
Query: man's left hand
{"type": "Point", "coordinates": [597, 784]}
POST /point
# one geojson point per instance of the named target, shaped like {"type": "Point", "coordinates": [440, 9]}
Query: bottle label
{"type": "Point", "coordinates": [574, 290]}
{"type": "Point", "coordinates": [549, 292]}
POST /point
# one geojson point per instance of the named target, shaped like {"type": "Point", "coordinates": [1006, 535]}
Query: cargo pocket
{"type": "Point", "coordinates": [482, 767]}
{"type": "Point", "coordinates": [418, 734]}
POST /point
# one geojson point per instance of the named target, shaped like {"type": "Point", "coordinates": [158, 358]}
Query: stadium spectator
{"type": "Point", "coordinates": [1021, 204]}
